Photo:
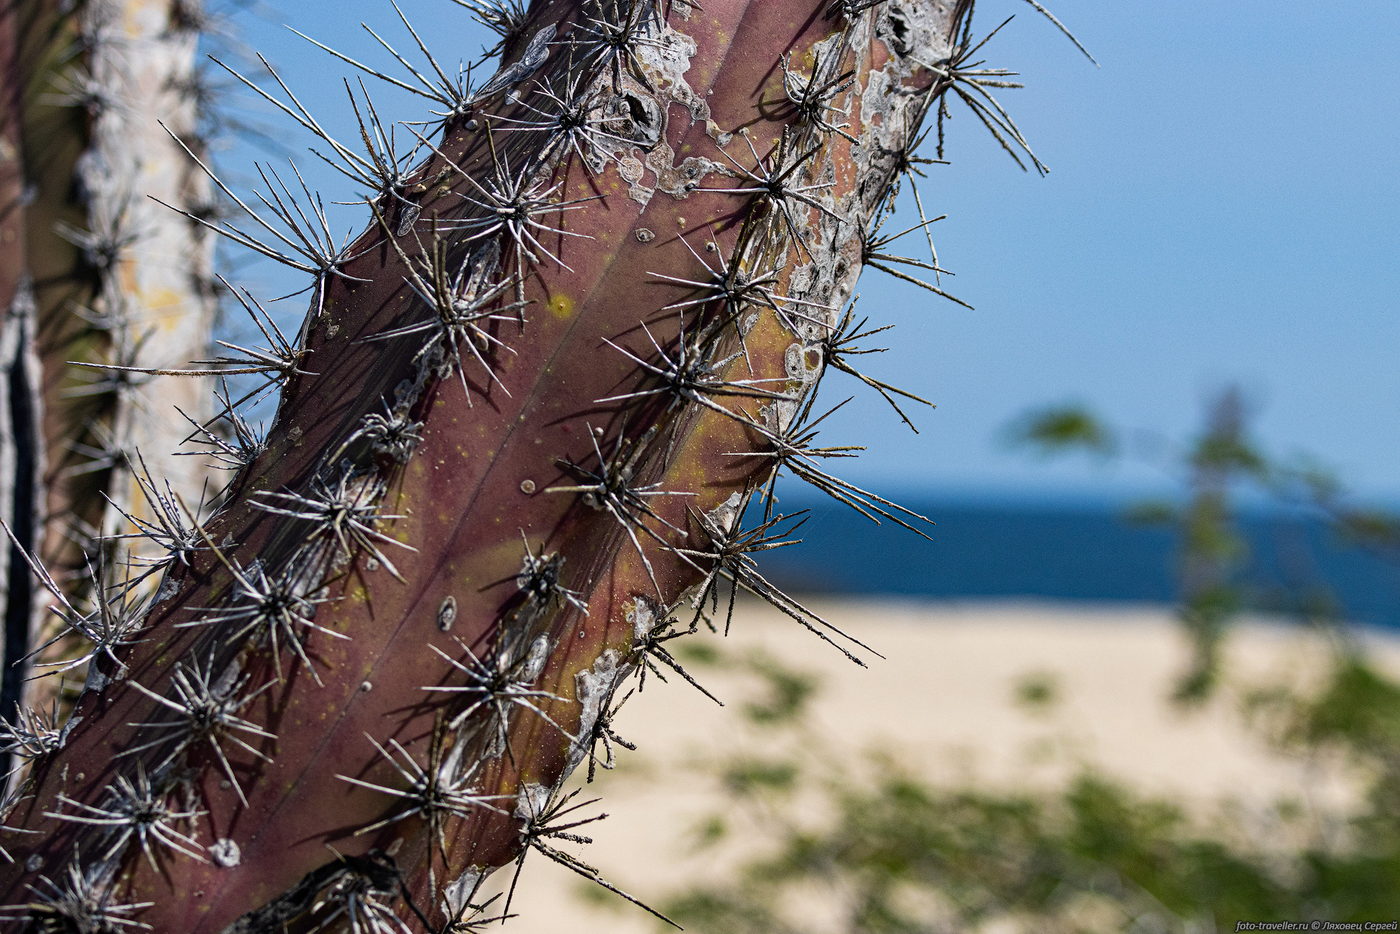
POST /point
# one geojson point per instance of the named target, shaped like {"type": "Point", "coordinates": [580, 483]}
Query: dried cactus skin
{"type": "Point", "coordinates": [540, 445]}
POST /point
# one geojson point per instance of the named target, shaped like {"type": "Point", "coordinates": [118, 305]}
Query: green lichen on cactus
{"type": "Point", "coordinates": [531, 408]}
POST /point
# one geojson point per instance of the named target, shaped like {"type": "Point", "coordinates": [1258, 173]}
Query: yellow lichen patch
{"type": "Point", "coordinates": [561, 306]}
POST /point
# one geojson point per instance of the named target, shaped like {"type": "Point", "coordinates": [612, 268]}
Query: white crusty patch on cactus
{"type": "Point", "coordinates": [726, 514]}
{"type": "Point", "coordinates": [531, 799]}
{"type": "Point", "coordinates": [595, 687]}
{"type": "Point", "coordinates": [669, 59]}
{"type": "Point", "coordinates": [225, 853]}
{"type": "Point", "coordinates": [457, 894]}
{"type": "Point", "coordinates": [799, 361]}
{"type": "Point", "coordinates": [666, 56]}
{"type": "Point", "coordinates": [641, 613]}
{"type": "Point", "coordinates": [537, 659]}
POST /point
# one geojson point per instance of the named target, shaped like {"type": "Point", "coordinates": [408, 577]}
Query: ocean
{"type": "Point", "coordinates": [1296, 564]}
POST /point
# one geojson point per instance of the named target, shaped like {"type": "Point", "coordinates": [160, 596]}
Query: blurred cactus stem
{"type": "Point", "coordinates": [99, 281]}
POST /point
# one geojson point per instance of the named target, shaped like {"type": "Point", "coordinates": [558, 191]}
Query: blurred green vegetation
{"type": "Point", "coordinates": [892, 853]}
{"type": "Point", "coordinates": [885, 851]}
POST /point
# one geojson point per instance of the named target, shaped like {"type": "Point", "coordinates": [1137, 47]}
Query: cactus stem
{"type": "Point", "coordinates": [391, 434]}
{"type": "Point", "coordinates": [575, 122]}
{"type": "Point", "coordinates": [609, 489]}
{"type": "Point", "coordinates": [810, 95]}
{"type": "Point", "coordinates": [497, 214]}
{"type": "Point", "coordinates": [850, 9]}
{"type": "Point", "coordinates": [464, 916]}
{"type": "Point", "coordinates": [771, 182]}
{"type": "Point", "coordinates": [689, 377]}
{"type": "Point", "coordinates": [536, 51]}
{"type": "Point", "coordinates": [357, 893]}
{"type": "Point", "coordinates": [464, 308]}
{"type": "Point", "coordinates": [538, 579]}
{"type": "Point", "coordinates": [344, 513]}
{"type": "Point", "coordinates": [738, 288]}
{"type": "Point", "coordinates": [617, 41]}
{"type": "Point", "coordinates": [274, 608]}
{"type": "Point", "coordinates": [513, 204]}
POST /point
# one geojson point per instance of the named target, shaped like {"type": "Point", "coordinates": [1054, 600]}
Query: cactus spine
{"type": "Point", "coordinates": [526, 415]}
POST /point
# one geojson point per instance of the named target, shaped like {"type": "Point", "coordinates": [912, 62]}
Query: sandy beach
{"type": "Point", "coordinates": [944, 703]}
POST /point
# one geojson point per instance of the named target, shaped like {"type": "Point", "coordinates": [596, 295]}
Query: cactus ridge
{"type": "Point", "coordinates": [636, 332]}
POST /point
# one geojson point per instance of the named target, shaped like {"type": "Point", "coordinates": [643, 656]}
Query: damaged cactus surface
{"type": "Point", "coordinates": [528, 415]}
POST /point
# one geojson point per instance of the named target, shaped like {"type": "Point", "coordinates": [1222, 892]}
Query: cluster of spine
{"type": "Point", "coordinates": [101, 282]}
{"type": "Point", "coordinates": [520, 432]}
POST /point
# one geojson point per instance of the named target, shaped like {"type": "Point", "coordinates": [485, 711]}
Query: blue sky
{"type": "Point", "coordinates": [1221, 208]}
